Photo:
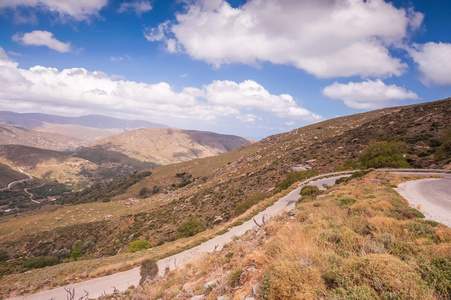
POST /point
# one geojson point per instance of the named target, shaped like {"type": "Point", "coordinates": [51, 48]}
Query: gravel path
{"type": "Point", "coordinates": [431, 196]}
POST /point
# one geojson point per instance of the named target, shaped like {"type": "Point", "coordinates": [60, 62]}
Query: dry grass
{"type": "Point", "coordinates": [358, 251]}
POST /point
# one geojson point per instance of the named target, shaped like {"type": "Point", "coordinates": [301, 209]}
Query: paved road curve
{"type": "Point", "coordinates": [432, 196]}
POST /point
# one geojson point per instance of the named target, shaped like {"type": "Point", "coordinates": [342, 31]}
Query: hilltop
{"type": "Point", "coordinates": [152, 205]}
{"type": "Point", "coordinates": [165, 146]}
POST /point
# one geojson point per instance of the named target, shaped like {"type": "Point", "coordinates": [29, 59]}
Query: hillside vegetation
{"type": "Point", "coordinates": [217, 189]}
{"type": "Point", "coordinates": [355, 241]}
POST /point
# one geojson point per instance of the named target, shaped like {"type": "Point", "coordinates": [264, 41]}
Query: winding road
{"type": "Point", "coordinates": [122, 280]}
{"type": "Point", "coordinates": [17, 181]}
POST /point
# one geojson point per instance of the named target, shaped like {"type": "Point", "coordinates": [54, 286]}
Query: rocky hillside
{"type": "Point", "coordinates": [164, 146]}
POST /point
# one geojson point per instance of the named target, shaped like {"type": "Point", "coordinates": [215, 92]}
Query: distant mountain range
{"type": "Point", "coordinates": [37, 120]}
{"type": "Point", "coordinates": [87, 149]}
{"type": "Point", "coordinates": [86, 128]}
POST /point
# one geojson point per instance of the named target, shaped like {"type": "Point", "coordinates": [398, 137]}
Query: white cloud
{"type": "Point", "coordinates": [368, 94]}
{"type": "Point", "coordinates": [327, 38]}
{"type": "Point", "coordinates": [14, 53]}
{"type": "Point", "coordinates": [42, 38]}
{"type": "Point", "coordinates": [249, 95]}
{"type": "Point", "coordinates": [434, 62]}
{"type": "Point", "coordinates": [116, 58]}
{"type": "Point", "coordinates": [139, 6]}
{"type": "Point", "coordinates": [76, 9]}
{"type": "Point", "coordinates": [80, 91]}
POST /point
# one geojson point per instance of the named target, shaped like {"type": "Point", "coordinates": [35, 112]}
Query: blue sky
{"type": "Point", "coordinates": [250, 68]}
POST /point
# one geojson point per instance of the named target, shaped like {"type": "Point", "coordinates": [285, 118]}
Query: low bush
{"type": "Point", "coordinates": [40, 262]}
{"type": "Point", "coordinates": [148, 271]}
{"type": "Point", "coordinates": [310, 190]}
{"type": "Point", "coordinates": [437, 273]}
{"type": "Point", "coordinates": [234, 278]}
{"type": "Point", "coordinates": [139, 245]}
{"type": "Point", "coordinates": [291, 279]}
{"type": "Point", "coordinates": [190, 228]}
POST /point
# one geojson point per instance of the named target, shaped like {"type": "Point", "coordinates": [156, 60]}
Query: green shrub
{"type": "Point", "coordinates": [310, 190]}
{"type": "Point", "coordinates": [148, 271]}
{"type": "Point", "coordinates": [385, 155]}
{"type": "Point", "coordinates": [341, 180]}
{"type": "Point", "coordinates": [190, 228]}
{"type": "Point", "coordinates": [238, 223]}
{"type": "Point", "coordinates": [75, 253]}
{"type": "Point", "coordinates": [249, 202]}
{"type": "Point", "coordinates": [346, 201]}
{"type": "Point", "coordinates": [4, 256]}
{"type": "Point", "coordinates": [234, 278]}
{"type": "Point", "coordinates": [77, 250]}
{"type": "Point", "coordinates": [139, 245]}
{"type": "Point", "coordinates": [40, 262]}
{"type": "Point", "coordinates": [89, 242]}
{"type": "Point", "coordinates": [61, 254]}
{"type": "Point", "coordinates": [144, 192]}
{"type": "Point", "coordinates": [437, 273]}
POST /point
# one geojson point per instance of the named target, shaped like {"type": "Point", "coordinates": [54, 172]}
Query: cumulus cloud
{"type": "Point", "coordinates": [80, 91]}
{"type": "Point", "coordinates": [368, 94]}
{"type": "Point", "coordinates": [139, 7]}
{"type": "Point", "coordinates": [327, 38]}
{"type": "Point", "coordinates": [249, 95]}
{"type": "Point", "coordinates": [434, 62]}
{"type": "Point", "coordinates": [42, 38]}
{"type": "Point", "coordinates": [76, 9]}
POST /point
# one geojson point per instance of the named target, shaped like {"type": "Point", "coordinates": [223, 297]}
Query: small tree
{"type": "Point", "coordinates": [144, 192]}
{"type": "Point", "coordinates": [385, 154]}
{"type": "Point", "coordinates": [77, 250]}
{"type": "Point", "coordinates": [148, 271]}
{"type": "Point", "coordinates": [139, 245]}
{"type": "Point", "coordinates": [61, 254]}
{"type": "Point", "coordinates": [190, 228]}
{"type": "Point", "coordinates": [89, 242]}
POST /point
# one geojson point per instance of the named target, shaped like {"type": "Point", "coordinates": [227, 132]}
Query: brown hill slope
{"type": "Point", "coordinates": [166, 145]}
{"type": "Point", "coordinates": [10, 135]}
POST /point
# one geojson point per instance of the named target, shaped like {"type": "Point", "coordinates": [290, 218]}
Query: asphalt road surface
{"type": "Point", "coordinates": [431, 196]}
